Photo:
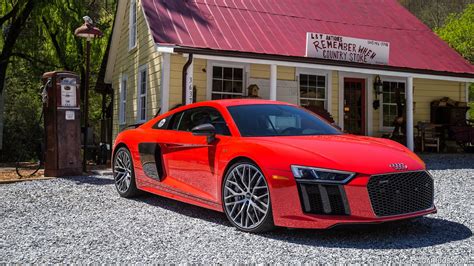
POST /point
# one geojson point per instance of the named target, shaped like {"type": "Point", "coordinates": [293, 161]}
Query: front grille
{"type": "Point", "coordinates": [401, 193]}
{"type": "Point", "coordinates": [323, 199]}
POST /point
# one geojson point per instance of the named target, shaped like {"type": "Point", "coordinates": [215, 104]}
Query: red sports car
{"type": "Point", "coordinates": [266, 164]}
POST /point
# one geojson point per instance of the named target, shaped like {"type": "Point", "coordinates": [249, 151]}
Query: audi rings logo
{"type": "Point", "coordinates": [399, 166]}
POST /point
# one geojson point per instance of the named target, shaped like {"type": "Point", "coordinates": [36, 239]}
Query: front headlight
{"type": "Point", "coordinates": [319, 175]}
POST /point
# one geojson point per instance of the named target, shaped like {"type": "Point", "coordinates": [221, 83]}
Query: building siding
{"type": "Point", "coordinates": [128, 62]}
{"type": "Point", "coordinates": [259, 71]}
{"type": "Point", "coordinates": [176, 77]}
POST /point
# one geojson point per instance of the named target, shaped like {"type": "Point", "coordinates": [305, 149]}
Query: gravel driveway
{"type": "Point", "coordinates": [82, 219]}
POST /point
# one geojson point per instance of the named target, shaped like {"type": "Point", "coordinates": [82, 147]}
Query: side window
{"type": "Point", "coordinates": [389, 101]}
{"type": "Point", "coordinates": [227, 82]}
{"type": "Point", "coordinates": [123, 100]}
{"type": "Point", "coordinates": [313, 91]}
{"type": "Point", "coordinates": [187, 120]}
{"type": "Point", "coordinates": [132, 25]}
{"type": "Point", "coordinates": [175, 120]}
{"type": "Point", "coordinates": [142, 93]}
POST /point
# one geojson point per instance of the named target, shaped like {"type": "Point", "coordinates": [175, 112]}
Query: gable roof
{"type": "Point", "coordinates": [279, 27]}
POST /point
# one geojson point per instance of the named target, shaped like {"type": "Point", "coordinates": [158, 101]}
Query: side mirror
{"type": "Point", "coordinates": [207, 130]}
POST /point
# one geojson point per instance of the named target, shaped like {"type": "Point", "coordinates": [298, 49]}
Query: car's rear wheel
{"type": "Point", "coordinates": [124, 175]}
{"type": "Point", "coordinates": [246, 198]}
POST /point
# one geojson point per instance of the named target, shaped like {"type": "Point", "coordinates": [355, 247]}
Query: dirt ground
{"type": "Point", "coordinates": [9, 173]}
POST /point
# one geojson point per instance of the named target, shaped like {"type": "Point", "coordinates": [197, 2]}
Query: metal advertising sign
{"type": "Point", "coordinates": [341, 48]}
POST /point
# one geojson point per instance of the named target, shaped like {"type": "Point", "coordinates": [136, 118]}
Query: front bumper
{"type": "Point", "coordinates": [289, 208]}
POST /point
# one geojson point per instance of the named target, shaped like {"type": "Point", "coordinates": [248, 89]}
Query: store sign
{"type": "Point", "coordinates": [341, 48]}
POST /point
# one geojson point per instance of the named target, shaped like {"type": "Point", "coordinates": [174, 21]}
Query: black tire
{"type": "Point", "coordinates": [265, 223]}
{"type": "Point", "coordinates": [129, 188]}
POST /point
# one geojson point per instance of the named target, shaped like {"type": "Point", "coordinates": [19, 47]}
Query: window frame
{"type": "Point", "coordinates": [327, 86]}
{"type": "Point", "coordinates": [142, 70]}
{"type": "Point", "coordinates": [123, 99]}
{"type": "Point", "coordinates": [210, 77]}
{"type": "Point", "coordinates": [133, 25]}
{"type": "Point", "coordinates": [384, 128]}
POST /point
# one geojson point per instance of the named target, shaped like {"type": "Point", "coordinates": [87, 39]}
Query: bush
{"type": "Point", "coordinates": [22, 133]}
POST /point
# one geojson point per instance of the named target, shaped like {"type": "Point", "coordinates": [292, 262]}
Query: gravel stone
{"type": "Point", "coordinates": [83, 220]}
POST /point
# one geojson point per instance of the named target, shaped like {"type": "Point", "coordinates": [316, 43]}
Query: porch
{"type": "Point", "coordinates": [346, 93]}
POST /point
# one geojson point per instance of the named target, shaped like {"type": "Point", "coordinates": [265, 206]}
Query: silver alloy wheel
{"type": "Point", "coordinates": [122, 171]}
{"type": "Point", "coordinates": [246, 196]}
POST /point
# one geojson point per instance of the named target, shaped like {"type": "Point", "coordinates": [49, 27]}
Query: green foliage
{"type": "Point", "coordinates": [47, 43]}
{"type": "Point", "coordinates": [459, 32]}
{"type": "Point", "coordinates": [435, 12]}
{"type": "Point", "coordinates": [23, 132]}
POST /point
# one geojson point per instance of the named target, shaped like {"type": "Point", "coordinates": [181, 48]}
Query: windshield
{"type": "Point", "coordinates": [262, 120]}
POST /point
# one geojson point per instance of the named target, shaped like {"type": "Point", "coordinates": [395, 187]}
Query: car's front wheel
{"type": "Point", "coordinates": [246, 198]}
{"type": "Point", "coordinates": [124, 175]}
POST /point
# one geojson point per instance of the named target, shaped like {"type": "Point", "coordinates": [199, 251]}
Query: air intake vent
{"type": "Point", "coordinates": [323, 199]}
{"type": "Point", "coordinates": [401, 193]}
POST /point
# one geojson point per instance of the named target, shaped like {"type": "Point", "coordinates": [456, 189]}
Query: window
{"type": "Point", "coordinates": [260, 120]}
{"type": "Point", "coordinates": [313, 91]}
{"type": "Point", "coordinates": [187, 120]}
{"type": "Point", "coordinates": [123, 100]}
{"type": "Point", "coordinates": [132, 26]}
{"type": "Point", "coordinates": [227, 83]}
{"type": "Point", "coordinates": [142, 89]}
{"type": "Point", "coordinates": [389, 101]}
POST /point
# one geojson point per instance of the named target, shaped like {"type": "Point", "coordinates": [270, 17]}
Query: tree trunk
{"type": "Point", "coordinates": [14, 31]}
{"type": "Point", "coordinates": [2, 110]}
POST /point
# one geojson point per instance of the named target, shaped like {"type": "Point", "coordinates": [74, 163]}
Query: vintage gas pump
{"type": "Point", "coordinates": [62, 123]}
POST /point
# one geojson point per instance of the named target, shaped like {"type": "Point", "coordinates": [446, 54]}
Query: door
{"type": "Point", "coordinates": [191, 159]}
{"type": "Point", "coordinates": [354, 106]}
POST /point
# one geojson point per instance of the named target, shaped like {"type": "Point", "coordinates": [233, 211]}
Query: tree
{"type": "Point", "coordinates": [12, 22]}
{"type": "Point", "coordinates": [434, 12]}
{"type": "Point", "coordinates": [458, 32]}
{"type": "Point", "coordinates": [46, 42]}
{"type": "Point", "coordinates": [16, 19]}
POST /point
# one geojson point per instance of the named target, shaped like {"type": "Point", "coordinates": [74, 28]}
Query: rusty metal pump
{"type": "Point", "coordinates": [62, 123]}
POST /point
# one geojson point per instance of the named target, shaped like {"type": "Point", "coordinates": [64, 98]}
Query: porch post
{"type": "Point", "coordinates": [409, 116]}
{"type": "Point", "coordinates": [189, 83]}
{"type": "Point", "coordinates": [467, 85]}
{"type": "Point", "coordinates": [273, 82]}
{"type": "Point", "coordinates": [165, 82]}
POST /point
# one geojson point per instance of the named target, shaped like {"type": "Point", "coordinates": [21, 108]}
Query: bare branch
{"type": "Point", "coordinates": [57, 46]}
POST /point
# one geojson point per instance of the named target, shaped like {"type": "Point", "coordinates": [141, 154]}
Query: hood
{"type": "Point", "coordinates": [359, 154]}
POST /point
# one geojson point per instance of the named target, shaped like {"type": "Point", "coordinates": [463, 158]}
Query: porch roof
{"type": "Point", "coordinates": [279, 27]}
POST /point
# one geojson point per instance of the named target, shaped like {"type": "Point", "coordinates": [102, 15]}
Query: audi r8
{"type": "Point", "coordinates": [267, 164]}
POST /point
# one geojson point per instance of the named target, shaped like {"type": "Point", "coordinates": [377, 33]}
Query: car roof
{"type": "Point", "coordinates": [215, 104]}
